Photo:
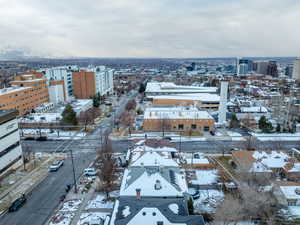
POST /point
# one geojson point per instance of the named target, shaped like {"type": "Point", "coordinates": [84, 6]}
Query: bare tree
{"type": "Point", "coordinates": [106, 167]}
{"type": "Point", "coordinates": [229, 211]}
{"type": "Point", "coordinates": [131, 104]}
{"type": "Point", "coordinates": [127, 120]}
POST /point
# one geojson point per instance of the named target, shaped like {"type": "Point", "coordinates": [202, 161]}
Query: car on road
{"type": "Point", "coordinates": [56, 165]}
{"type": "Point", "coordinates": [167, 138]}
{"type": "Point", "coordinates": [89, 172]}
{"type": "Point", "coordinates": [18, 203]}
{"type": "Point", "coordinates": [42, 138]}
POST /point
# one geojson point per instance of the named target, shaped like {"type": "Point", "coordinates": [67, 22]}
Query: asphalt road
{"type": "Point", "coordinates": [44, 198]}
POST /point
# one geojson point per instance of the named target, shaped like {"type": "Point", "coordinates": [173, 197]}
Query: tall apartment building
{"type": "Point", "coordinates": [27, 92]}
{"type": "Point", "coordinates": [10, 148]}
{"type": "Point", "coordinates": [92, 81]}
{"type": "Point", "coordinates": [84, 84]}
{"type": "Point", "coordinates": [296, 69]}
{"type": "Point", "coordinates": [61, 73]}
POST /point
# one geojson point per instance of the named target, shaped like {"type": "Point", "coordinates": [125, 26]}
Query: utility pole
{"type": "Point", "coordinates": [74, 177]}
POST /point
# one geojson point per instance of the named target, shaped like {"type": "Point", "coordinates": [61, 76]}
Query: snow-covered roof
{"type": "Point", "coordinates": [203, 97]}
{"type": "Point", "coordinates": [150, 158]}
{"type": "Point", "coordinates": [254, 109]}
{"type": "Point", "coordinates": [169, 87]}
{"type": "Point", "coordinates": [153, 182]}
{"type": "Point", "coordinates": [176, 113]}
{"type": "Point", "coordinates": [9, 90]}
{"type": "Point", "coordinates": [290, 191]}
{"type": "Point", "coordinates": [274, 159]}
{"type": "Point", "coordinates": [41, 118]}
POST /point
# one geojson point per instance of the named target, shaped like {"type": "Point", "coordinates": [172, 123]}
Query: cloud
{"type": "Point", "coordinates": [156, 28]}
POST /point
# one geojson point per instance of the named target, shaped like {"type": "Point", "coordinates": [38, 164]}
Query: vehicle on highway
{"type": "Point", "coordinates": [56, 165]}
{"type": "Point", "coordinates": [18, 203]}
{"type": "Point", "coordinates": [167, 138]}
{"type": "Point", "coordinates": [89, 172]}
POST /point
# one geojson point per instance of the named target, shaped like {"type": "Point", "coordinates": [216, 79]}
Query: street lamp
{"type": "Point", "coordinates": [73, 168]}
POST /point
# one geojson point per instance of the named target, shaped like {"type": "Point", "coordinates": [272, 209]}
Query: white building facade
{"type": "Point", "coordinates": [103, 79]}
{"type": "Point", "coordinates": [61, 73]}
{"type": "Point", "coordinates": [296, 69]}
{"type": "Point", "coordinates": [10, 147]}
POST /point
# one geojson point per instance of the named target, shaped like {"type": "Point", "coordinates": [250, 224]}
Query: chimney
{"type": "Point", "coordinates": [138, 194]}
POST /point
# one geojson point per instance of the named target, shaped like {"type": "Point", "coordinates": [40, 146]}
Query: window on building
{"type": "Point", "coordinates": [291, 203]}
{"type": "Point", "coordinates": [206, 128]}
{"type": "Point", "coordinates": [194, 126]}
{"type": "Point", "coordinates": [180, 127]}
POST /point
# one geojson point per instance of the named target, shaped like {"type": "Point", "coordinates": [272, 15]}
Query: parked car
{"type": "Point", "coordinates": [42, 138]}
{"type": "Point", "coordinates": [212, 133]}
{"type": "Point", "coordinates": [56, 165]}
{"type": "Point", "coordinates": [18, 203]}
{"type": "Point", "coordinates": [167, 138]}
{"type": "Point", "coordinates": [89, 172]}
{"type": "Point", "coordinates": [96, 221]}
{"type": "Point", "coordinates": [196, 195]}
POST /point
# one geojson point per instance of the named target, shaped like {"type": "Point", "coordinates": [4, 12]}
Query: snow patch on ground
{"type": "Point", "coordinates": [208, 201]}
{"type": "Point", "coordinates": [205, 177]}
{"type": "Point", "coordinates": [85, 218]}
{"type": "Point", "coordinates": [62, 219]}
{"type": "Point", "coordinates": [174, 208]}
{"type": "Point", "coordinates": [126, 211]}
{"type": "Point", "coordinates": [71, 205]}
{"type": "Point", "coordinates": [100, 202]}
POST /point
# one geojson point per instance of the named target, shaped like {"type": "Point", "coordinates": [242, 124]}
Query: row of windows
{"type": "Point", "coordinates": [11, 147]}
{"type": "Point", "coordinates": [193, 126]}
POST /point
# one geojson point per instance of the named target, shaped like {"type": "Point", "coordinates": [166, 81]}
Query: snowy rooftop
{"type": "Point", "coordinates": [254, 109]}
{"type": "Point", "coordinates": [194, 158]}
{"type": "Point", "coordinates": [153, 182]}
{"type": "Point", "coordinates": [290, 191]}
{"type": "Point", "coordinates": [9, 90]}
{"type": "Point", "coordinates": [171, 211]}
{"type": "Point", "coordinates": [168, 87]}
{"type": "Point", "coordinates": [203, 97]}
{"type": "Point", "coordinates": [274, 159]}
{"type": "Point", "coordinates": [41, 118]}
{"type": "Point", "coordinates": [261, 160]}
{"type": "Point", "coordinates": [205, 177]}
{"type": "Point", "coordinates": [176, 113]}
{"type": "Point", "coordinates": [150, 158]}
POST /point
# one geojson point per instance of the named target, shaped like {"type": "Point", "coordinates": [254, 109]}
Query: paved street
{"type": "Point", "coordinates": [45, 197]}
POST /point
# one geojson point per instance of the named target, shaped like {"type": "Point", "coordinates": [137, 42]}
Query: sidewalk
{"type": "Point", "coordinates": [25, 185]}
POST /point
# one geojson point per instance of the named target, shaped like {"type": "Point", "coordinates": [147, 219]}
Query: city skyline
{"type": "Point", "coordinates": [150, 28]}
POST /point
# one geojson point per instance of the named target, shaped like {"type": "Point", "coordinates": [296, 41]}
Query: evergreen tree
{"type": "Point", "coordinates": [142, 88]}
{"type": "Point", "coordinates": [190, 206]}
{"type": "Point", "coordinates": [69, 116]}
{"type": "Point", "coordinates": [96, 101]}
{"type": "Point", "coordinates": [262, 122]}
{"type": "Point", "coordinates": [278, 128]}
{"type": "Point", "coordinates": [234, 122]}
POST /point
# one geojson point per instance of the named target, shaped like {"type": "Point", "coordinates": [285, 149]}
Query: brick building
{"type": "Point", "coordinates": [84, 84]}
{"type": "Point", "coordinates": [27, 92]}
{"type": "Point", "coordinates": [177, 119]}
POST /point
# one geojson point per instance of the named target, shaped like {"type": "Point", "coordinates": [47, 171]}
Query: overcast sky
{"type": "Point", "coordinates": [152, 28]}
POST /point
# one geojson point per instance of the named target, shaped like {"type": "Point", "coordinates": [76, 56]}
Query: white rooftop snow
{"type": "Point", "coordinates": [152, 159]}
{"type": "Point", "coordinates": [176, 113]}
{"type": "Point", "coordinates": [205, 177]}
{"type": "Point", "coordinates": [273, 159]}
{"type": "Point", "coordinates": [203, 97]}
{"type": "Point", "coordinates": [290, 192]}
{"type": "Point", "coordinates": [174, 208]}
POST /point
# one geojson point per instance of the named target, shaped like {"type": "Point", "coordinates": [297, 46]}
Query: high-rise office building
{"type": "Point", "coordinates": [296, 69]}
{"type": "Point", "coordinates": [272, 69]}
{"type": "Point", "coordinates": [243, 68]}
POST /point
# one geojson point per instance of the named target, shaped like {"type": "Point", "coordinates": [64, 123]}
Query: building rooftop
{"type": "Point", "coordinates": [172, 211]}
{"type": "Point", "coordinates": [8, 114]}
{"type": "Point", "coordinates": [203, 97]}
{"type": "Point", "coordinates": [156, 181]}
{"type": "Point", "coordinates": [168, 87]}
{"type": "Point", "coordinates": [9, 90]}
{"type": "Point", "coordinates": [176, 113]}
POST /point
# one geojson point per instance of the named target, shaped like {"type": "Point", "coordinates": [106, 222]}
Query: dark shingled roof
{"type": "Point", "coordinates": [162, 205]}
